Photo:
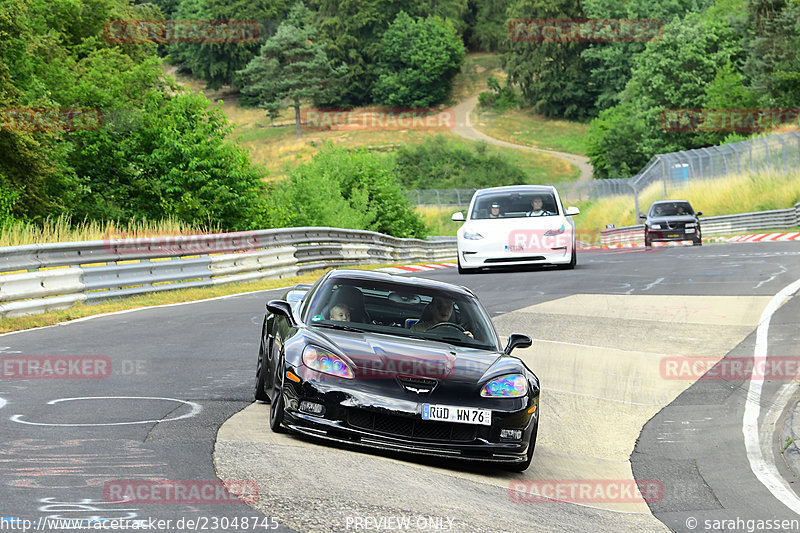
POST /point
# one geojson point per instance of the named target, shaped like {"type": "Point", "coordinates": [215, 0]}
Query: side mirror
{"type": "Point", "coordinates": [698, 214]}
{"type": "Point", "coordinates": [457, 217]}
{"type": "Point", "coordinates": [517, 340]}
{"type": "Point", "coordinates": [281, 308]}
{"type": "Point", "coordinates": [571, 211]}
{"type": "Point", "coordinates": [642, 215]}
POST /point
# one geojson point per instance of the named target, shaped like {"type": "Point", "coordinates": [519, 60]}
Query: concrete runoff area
{"type": "Point", "coordinates": [599, 361]}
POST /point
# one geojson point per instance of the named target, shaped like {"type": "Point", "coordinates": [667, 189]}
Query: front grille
{"type": "Point", "coordinates": [419, 384]}
{"type": "Point", "coordinates": [513, 259]}
{"type": "Point", "coordinates": [400, 426]}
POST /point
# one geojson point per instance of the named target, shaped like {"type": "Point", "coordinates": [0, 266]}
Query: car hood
{"type": "Point", "coordinates": [381, 355]}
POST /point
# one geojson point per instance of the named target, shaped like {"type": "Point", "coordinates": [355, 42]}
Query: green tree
{"type": "Point", "coordinates": [417, 62]}
{"type": "Point", "coordinates": [347, 189]}
{"type": "Point", "coordinates": [552, 76]}
{"type": "Point", "coordinates": [218, 63]}
{"type": "Point", "coordinates": [353, 31]}
{"type": "Point", "coordinates": [487, 26]}
{"type": "Point", "coordinates": [290, 67]}
{"type": "Point", "coordinates": [773, 51]}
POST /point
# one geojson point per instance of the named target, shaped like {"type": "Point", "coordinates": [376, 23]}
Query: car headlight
{"type": "Point", "coordinates": [510, 386]}
{"type": "Point", "coordinates": [655, 226]}
{"type": "Point", "coordinates": [472, 236]}
{"type": "Point", "coordinates": [552, 232]}
{"type": "Point", "coordinates": [326, 362]}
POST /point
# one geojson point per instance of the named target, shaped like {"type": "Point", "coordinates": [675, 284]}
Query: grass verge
{"type": "Point", "coordinates": [522, 126]}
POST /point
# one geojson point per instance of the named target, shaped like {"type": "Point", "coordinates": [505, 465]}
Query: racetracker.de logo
{"type": "Point", "coordinates": [180, 31]}
{"type": "Point", "coordinates": [55, 367]}
{"type": "Point", "coordinates": [730, 368]}
{"type": "Point", "coordinates": [727, 120]}
{"type": "Point", "coordinates": [584, 30]}
{"type": "Point", "coordinates": [50, 118]}
{"type": "Point", "coordinates": [586, 491]}
{"type": "Point", "coordinates": [218, 243]}
{"type": "Point", "coordinates": [180, 492]}
{"type": "Point", "coordinates": [380, 119]}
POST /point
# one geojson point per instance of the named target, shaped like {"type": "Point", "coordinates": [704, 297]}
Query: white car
{"type": "Point", "coordinates": [516, 225]}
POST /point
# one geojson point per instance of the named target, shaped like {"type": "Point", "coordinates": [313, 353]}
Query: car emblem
{"type": "Point", "coordinates": [417, 385]}
{"type": "Point", "coordinates": [414, 389]}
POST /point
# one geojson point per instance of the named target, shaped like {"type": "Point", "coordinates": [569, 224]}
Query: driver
{"type": "Point", "coordinates": [438, 311]}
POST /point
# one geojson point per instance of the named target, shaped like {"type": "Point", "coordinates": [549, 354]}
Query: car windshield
{"type": "Point", "coordinates": [671, 209]}
{"type": "Point", "coordinates": [401, 309]}
{"type": "Point", "coordinates": [514, 205]}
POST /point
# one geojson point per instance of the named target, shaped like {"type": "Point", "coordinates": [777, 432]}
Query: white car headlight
{"type": "Point", "coordinates": [472, 236]}
{"type": "Point", "coordinates": [655, 226]}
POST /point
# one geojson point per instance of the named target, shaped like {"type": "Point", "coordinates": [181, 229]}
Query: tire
{"type": "Point", "coordinates": [260, 392]}
{"type": "Point", "coordinates": [572, 262]}
{"type": "Point", "coordinates": [276, 409]}
{"type": "Point", "coordinates": [464, 270]}
{"type": "Point", "coordinates": [648, 241]}
{"type": "Point", "coordinates": [699, 240]}
{"type": "Point", "coordinates": [520, 467]}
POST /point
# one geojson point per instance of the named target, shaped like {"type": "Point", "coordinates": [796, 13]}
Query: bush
{"type": "Point", "coordinates": [500, 98]}
{"type": "Point", "coordinates": [346, 189]}
{"type": "Point", "coordinates": [439, 164]}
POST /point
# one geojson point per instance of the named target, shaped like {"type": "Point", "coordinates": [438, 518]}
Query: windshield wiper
{"type": "Point", "coordinates": [340, 326]}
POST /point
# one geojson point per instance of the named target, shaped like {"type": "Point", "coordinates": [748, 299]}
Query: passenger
{"type": "Point", "coordinates": [340, 313]}
{"type": "Point", "coordinates": [495, 213]}
{"type": "Point", "coordinates": [537, 210]}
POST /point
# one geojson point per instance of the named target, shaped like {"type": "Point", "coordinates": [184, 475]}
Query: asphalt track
{"type": "Point", "coordinates": [177, 406]}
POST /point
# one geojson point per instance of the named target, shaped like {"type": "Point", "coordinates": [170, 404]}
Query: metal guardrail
{"type": "Point", "coordinates": [718, 225]}
{"type": "Point", "coordinates": [41, 277]}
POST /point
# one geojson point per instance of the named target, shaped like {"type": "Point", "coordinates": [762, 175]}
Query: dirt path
{"type": "Point", "coordinates": [465, 129]}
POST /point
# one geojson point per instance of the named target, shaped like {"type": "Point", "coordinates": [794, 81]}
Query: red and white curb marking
{"type": "Point", "coordinates": [759, 237]}
{"type": "Point", "coordinates": [417, 268]}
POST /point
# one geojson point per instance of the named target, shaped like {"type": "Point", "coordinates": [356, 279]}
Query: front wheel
{"type": "Point", "coordinates": [276, 409]}
{"type": "Point", "coordinates": [462, 270]}
{"type": "Point", "coordinates": [261, 375]}
{"type": "Point", "coordinates": [648, 241]}
{"type": "Point", "coordinates": [572, 262]}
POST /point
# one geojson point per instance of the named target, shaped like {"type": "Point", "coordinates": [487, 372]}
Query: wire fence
{"type": "Point", "coordinates": [778, 153]}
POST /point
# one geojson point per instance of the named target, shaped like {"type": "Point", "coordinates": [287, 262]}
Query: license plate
{"type": "Point", "coordinates": [689, 230]}
{"type": "Point", "coordinates": [462, 415]}
{"type": "Point", "coordinates": [673, 236]}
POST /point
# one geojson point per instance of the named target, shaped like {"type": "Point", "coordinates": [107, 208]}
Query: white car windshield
{"type": "Point", "coordinates": [514, 205]}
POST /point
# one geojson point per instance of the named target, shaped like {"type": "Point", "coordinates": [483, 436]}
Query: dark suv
{"type": "Point", "coordinates": [671, 220]}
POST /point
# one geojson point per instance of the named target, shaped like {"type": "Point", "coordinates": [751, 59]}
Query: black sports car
{"type": "Point", "coordinates": [671, 220]}
{"type": "Point", "coordinates": [397, 363]}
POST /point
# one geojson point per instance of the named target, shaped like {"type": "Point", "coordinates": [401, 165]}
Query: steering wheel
{"type": "Point", "coordinates": [451, 324]}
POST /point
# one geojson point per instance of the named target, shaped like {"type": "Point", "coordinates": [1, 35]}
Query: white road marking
{"type": "Point", "coordinates": [773, 276]}
{"type": "Point", "coordinates": [656, 282]}
{"type": "Point", "coordinates": [196, 408]}
{"type": "Point", "coordinates": [765, 471]}
{"type": "Point", "coordinates": [3, 402]}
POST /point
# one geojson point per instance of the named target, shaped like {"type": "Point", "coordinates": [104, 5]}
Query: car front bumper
{"type": "Point", "coordinates": [356, 412]}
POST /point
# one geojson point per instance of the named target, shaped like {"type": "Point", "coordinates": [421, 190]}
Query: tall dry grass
{"type": "Point", "coordinates": [63, 229]}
